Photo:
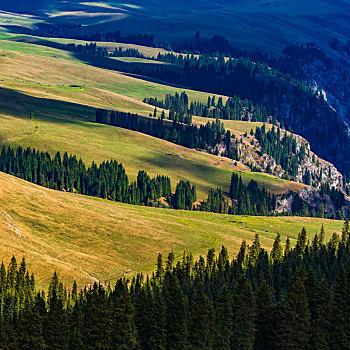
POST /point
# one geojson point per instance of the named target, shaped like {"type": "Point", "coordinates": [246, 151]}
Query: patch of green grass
{"type": "Point", "coordinates": [240, 126]}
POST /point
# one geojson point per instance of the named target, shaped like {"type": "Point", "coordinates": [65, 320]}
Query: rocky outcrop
{"type": "Point", "coordinates": [312, 117]}
{"type": "Point", "coordinates": [320, 171]}
{"type": "Point", "coordinates": [324, 118]}
{"type": "Point", "coordinates": [311, 197]}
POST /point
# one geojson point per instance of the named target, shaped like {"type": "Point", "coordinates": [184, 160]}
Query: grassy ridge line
{"type": "Point", "coordinates": [81, 236]}
{"type": "Point", "coordinates": [111, 46]}
{"type": "Point", "coordinates": [134, 150]}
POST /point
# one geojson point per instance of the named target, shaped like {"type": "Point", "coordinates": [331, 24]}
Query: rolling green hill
{"type": "Point", "coordinates": [136, 151]}
{"type": "Point", "coordinates": [48, 102]}
{"type": "Point", "coordinates": [85, 238]}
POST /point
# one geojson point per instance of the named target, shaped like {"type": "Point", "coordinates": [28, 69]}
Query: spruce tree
{"type": "Point", "coordinates": [30, 329]}
{"type": "Point", "coordinates": [277, 249]}
{"type": "Point", "coordinates": [97, 326]}
{"type": "Point", "coordinates": [157, 339]}
{"type": "Point", "coordinates": [321, 325]}
{"type": "Point", "coordinates": [75, 323]}
{"type": "Point", "coordinates": [55, 325]}
{"type": "Point", "coordinates": [339, 315]}
{"type": "Point", "coordinates": [244, 313]}
{"type": "Point", "coordinates": [176, 315]}
{"type": "Point", "coordinates": [223, 320]}
{"type": "Point", "coordinates": [293, 331]}
{"type": "Point", "coordinates": [124, 333]}
{"type": "Point", "coordinates": [202, 321]}
{"type": "Point", "coordinates": [265, 318]}
{"type": "Point", "coordinates": [143, 316]}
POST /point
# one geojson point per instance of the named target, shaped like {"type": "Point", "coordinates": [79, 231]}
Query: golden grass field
{"type": "Point", "coordinates": [80, 236]}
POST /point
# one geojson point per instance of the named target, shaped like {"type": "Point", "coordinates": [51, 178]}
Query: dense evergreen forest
{"type": "Point", "coordinates": [110, 181]}
{"type": "Point", "coordinates": [288, 155]}
{"type": "Point", "coordinates": [234, 109]}
{"type": "Point", "coordinates": [219, 75]}
{"type": "Point", "coordinates": [288, 298]}
{"type": "Point", "coordinates": [284, 149]}
{"type": "Point", "coordinates": [218, 46]}
{"type": "Point", "coordinates": [208, 137]}
{"type": "Point", "coordinates": [250, 199]}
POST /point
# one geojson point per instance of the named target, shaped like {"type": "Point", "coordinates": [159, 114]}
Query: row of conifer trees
{"type": "Point", "coordinates": [110, 181]}
{"type": "Point", "coordinates": [234, 108]}
{"type": "Point", "coordinates": [107, 180]}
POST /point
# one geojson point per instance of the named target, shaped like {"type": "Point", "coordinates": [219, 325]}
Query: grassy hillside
{"type": "Point", "coordinates": [84, 238]}
{"type": "Point", "coordinates": [53, 87]}
{"type": "Point", "coordinates": [94, 142]}
{"type": "Point", "coordinates": [47, 72]}
{"type": "Point", "coordinates": [48, 102]}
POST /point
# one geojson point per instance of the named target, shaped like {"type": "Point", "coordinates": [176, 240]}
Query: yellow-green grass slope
{"type": "Point", "coordinates": [85, 238]}
{"type": "Point", "coordinates": [136, 151]}
{"type": "Point", "coordinates": [47, 72]}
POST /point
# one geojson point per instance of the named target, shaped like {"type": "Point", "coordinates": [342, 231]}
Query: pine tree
{"type": "Point", "coordinates": [157, 339]}
{"type": "Point", "coordinates": [301, 241]}
{"type": "Point", "coordinates": [340, 309]}
{"type": "Point", "coordinates": [223, 311]}
{"type": "Point", "coordinates": [202, 320]}
{"type": "Point", "coordinates": [55, 327]}
{"type": "Point", "coordinates": [265, 318]}
{"type": "Point", "coordinates": [160, 268]}
{"type": "Point", "coordinates": [96, 331]}
{"type": "Point", "coordinates": [322, 236]}
{"type": "Point", "coordinates": [277, 249]}
{"type": "Point", "coordinates": [75, 323]}
{"type": "Point", "coordinates": [254, 250]}
{"type": "Point", "coordinates": [124, 333]}
{"type": "Point", "coordinates": [143, 315]}
{"type": "Point", "coordinates": [30, 329]}
{"type": "Point", "coordinates": [293, 331]}
{"type": "Point", "coordinates": [244, 312]}
{"type": "Point", "coordinates": [321, 325]}
{"type": "Point", "coordinates": [176, 319]}
{"type": "Point", "coordinates": [346, 231]}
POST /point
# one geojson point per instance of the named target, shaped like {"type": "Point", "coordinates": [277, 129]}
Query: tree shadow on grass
{"type": "Point", "coordinates": [19, 104]}
{"type": "Point", "coordinates": [139, 70]}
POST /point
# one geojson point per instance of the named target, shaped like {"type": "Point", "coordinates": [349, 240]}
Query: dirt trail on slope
{"type": "Point", "coordinates": [24, 135]}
